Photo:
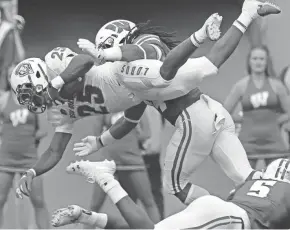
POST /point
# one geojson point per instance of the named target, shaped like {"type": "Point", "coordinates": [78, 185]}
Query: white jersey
{"type": "Point", "coordinates": [101, 94]}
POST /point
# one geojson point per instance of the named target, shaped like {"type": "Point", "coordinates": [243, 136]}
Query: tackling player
{"type": "Point", "coordinates": [257, 204]}
{"type": "Point", "coordinates": [202, 124]}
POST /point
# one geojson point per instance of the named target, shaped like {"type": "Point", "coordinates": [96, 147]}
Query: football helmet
{"type": "Point", "coordinates": [278, 170]}
{"type": "Point", "coordinates": [114, 33]}
{"type": "Point", "coordinates": [30, 81]}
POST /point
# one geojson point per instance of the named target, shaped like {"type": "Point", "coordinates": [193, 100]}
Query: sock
{"type": "Point", "coordinates": [194, 193]}
{"type": "Point", "coordinates": [196, 39]}
{"type": "Point", "coordinates": [243, 22]}
{"type": "Point", "coordinates": [116, 193]}
{"type": "Point", "coordinates": [93, 219]}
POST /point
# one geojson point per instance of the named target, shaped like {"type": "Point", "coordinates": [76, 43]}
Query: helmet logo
{"type": "Point", "coordinates": [118, 26]}
{"type": "Point", "coordinates": [24, 70]}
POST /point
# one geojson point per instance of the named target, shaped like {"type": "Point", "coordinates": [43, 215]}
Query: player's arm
{"type": "Point", "coordinates": [46, 162]}
{"type": "Point", "coordinates": [124, 125]}
{"type": "Point", "coordinates": [53, 154]}
{"type": "Point", "coordinates": [118, 130]}
{"type": "Point", "coordinates": [78, 67]}
{"type": "Point", "coordinates": [132, 52]}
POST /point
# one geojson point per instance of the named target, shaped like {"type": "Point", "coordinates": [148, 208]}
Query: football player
{"type": "Point", "coordinates": [257, 204]}
{"type": "Point", "coordinates": [202, 124]}
{"type": "Point", "coordinates": [136, 41]}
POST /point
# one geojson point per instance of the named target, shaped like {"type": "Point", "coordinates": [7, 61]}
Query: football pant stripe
{"type": "Point", "coordinates": [189, 126]}
{"type": "Point", "coordinates": [279, 167]}
{"type": "Point", "coordinates": [173, 174]}
{"type": "Point", "coordinates": [220, 222]}
{"type": "Point", "coordinates": [285, 170]}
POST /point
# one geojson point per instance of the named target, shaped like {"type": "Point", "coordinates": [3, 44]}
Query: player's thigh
{"type": "Point", "coordinates": [207, 212]}
{"type": "Point", "coordinates": [229, 153]}
{"type": "Point", "coordinates": [193, 71]}
{"type": "Point", "coordinates": [126, 184]}
{"type": "Point", "coordinates": [6, 179]}
{"type": "Point", "coordinates": [189, 146]}
{"type": "Point", "coordinates": [37, 193]}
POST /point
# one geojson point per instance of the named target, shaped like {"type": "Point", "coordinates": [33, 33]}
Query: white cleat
{"type": "Point", "coordinates": [95, 172]}
{"type": "Point", "coordinates": [213, 24]}
{"type": "Point", "coordinates": [256, 8]}
{"type": "Point", "coordinates": [65, 216]}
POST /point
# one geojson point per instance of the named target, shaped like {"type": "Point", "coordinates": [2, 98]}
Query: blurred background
{"type": "Point", "coordinates": [52, 23]}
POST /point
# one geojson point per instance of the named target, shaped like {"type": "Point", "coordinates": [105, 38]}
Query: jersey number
{"type": "Point", "coordinates": [93, 95]}
{"type": "Point", "coordinates": [261, 188]}
{"type": "Point", "coordinates": [134, 70]}
{"type": "Point", "coordinates": [58, 52]}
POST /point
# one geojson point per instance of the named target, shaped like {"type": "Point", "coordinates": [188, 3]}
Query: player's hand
{"type": "Point", "coordinates": [87, 146]}
{"type": "Point", "coordinates": [90, 49]}
{"type": "Point", "coordinates": [24, 185]}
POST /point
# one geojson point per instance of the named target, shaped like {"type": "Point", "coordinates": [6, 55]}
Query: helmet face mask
{"type": "Point", "coordinates": [30, 81]}
{"type": "Point", "coordinates": [33, 97]}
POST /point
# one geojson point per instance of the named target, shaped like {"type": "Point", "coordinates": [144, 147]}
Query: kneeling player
{"type": "Point", "coordinates": [257, 204]}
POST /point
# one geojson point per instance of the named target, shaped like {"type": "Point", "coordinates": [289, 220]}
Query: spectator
{"type": "Point", "coordinates": [152, 151]}
{"type": "Point", "coordinates": [18, 153]}
{"type": "Point", "coordinates": [263, 98]}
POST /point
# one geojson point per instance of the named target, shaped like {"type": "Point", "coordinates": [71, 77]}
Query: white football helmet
{"type": "Point", "coordinates": [114, 33]}
{"type": "Point", "coordinates": [30, 81]}
{"type": "Point", "coordinates": [278, 170]}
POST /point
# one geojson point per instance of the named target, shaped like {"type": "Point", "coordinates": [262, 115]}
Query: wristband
{"type": "Point", "coordinates": [106, 138]}
{"type": "Point", "coordinates": [32, 171]}
{"type": "Point", "coordinates": [57, 82]}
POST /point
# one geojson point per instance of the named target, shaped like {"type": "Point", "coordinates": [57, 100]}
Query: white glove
{"type": "Point", "coordinates": [87, 146]}
{"type": "Point", "coordinates": [90, 48]}
{"type": "Point", "coordinates": [210, 29]}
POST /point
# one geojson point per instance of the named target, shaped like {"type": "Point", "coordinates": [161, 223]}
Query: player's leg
{"type": "Point", "coordinates": [152, 161]}
{"type": "Point", "coordinates": [6, 179]}
{"type": "Point", "coordinates": [207, 212]}
{"type": "Point", "coordinates": [102, 173]}
{"type": "Point", "coordinates": [224, 47]}
{"type": "Point", "coordinates": [138, 181]}
{"type": "Point", "coordinates": [74, 214]}
{"type": "Point", "coordinates": [190, 145]}
{"type": "Point", "coordinates": [229, 153]}
{"type": "Point", "coordinates": [97, 201]}
{"type": "Point", "coordinates": [39, 205]}
{"type": "Point", "coordinates": [98, 198]}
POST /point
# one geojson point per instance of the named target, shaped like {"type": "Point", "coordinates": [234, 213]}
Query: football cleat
{"type": "Point", "coordinates": [268, 8]}
{"type": "Point", "coordinates": [65, 216]}
{"type": "Point", "coordinates": [213, 27]}
{"type": "Point", "coordinates": [93, 171]}
{"type": "Point", "coordinates": [256, 8]}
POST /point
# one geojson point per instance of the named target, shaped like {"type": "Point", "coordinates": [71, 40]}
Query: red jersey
{"type": "Point", "coordinates": [160, 48]}
{"type": "Point", "coordinates": [266, 201]}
